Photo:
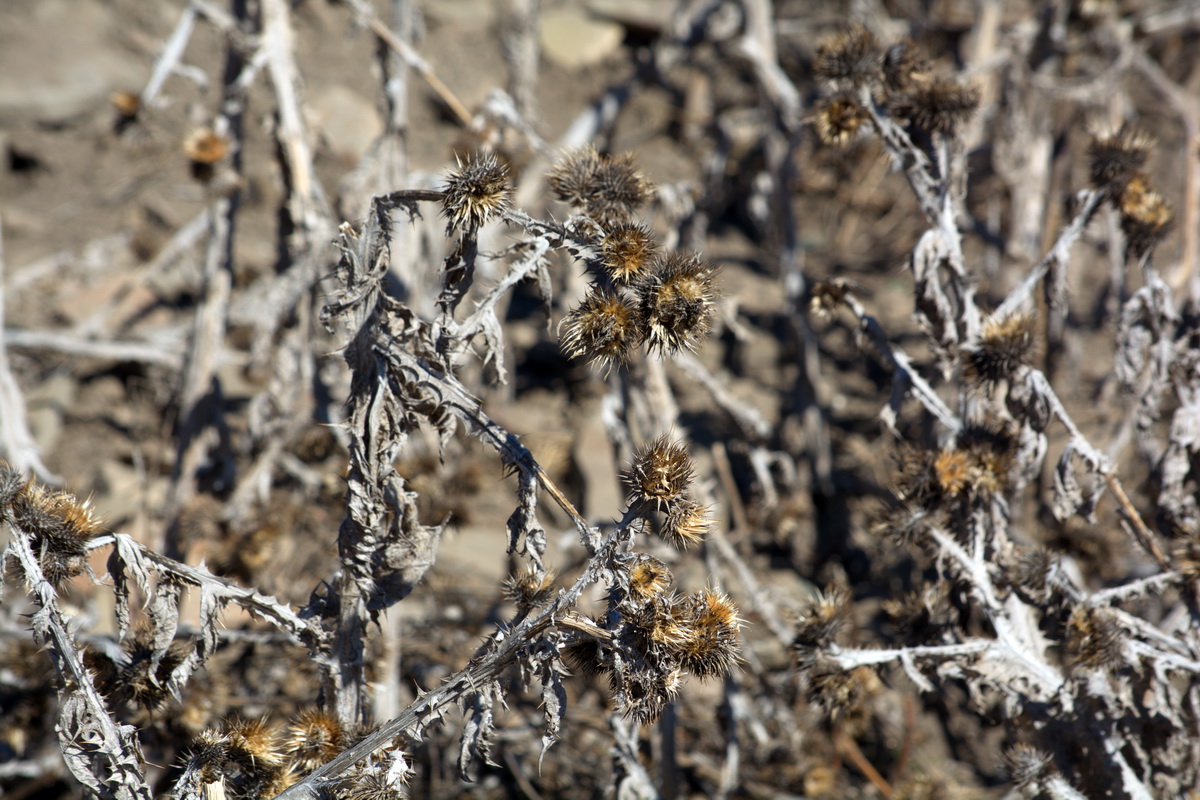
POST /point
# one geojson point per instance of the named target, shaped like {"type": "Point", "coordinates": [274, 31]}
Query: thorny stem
{"type": "Point", "coordinates": [1102, 466]}
{"type": "Point", "coordinates": [117, 744]}
{"type": "Point", "coordinates": [488, 664]}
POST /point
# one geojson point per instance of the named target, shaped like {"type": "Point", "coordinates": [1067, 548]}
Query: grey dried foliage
{"type": "Point", "coordinates": [1030, 569]}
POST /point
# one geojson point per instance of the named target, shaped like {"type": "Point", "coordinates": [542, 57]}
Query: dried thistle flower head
{"type": "Point", "coordinates": [844, 695]}
{"type": "Point", "coordinates": [648, 577]}
{"type": "Point", "coordinates": [908, 523]}
{"type": "Point", "coordinates": [1026, 765]}
{"type": "Point", "coordinates": [713, 645]}
{"type": "Point", "coordinates": [822, 619]}
{"type": "Point", "coordinates": [1030, 571]}
{"type": "Point", "coordinates": [991, 448]}
{"type": "Point", "coordinates": [529, 589]}
{"type": "Point", "coordinates": [626, 252]}
{"type": "Point", "coordinates": [1005, 345]}
{"type": "Point", "coordinates": [312, 738]}
{"type": "Point", "coordinates": [58, 524]}
{"type": "Point", "coordinates": [475, 192]}
{"type": "Point", "coordinates": [837, 121]}
{"type": "Point", "coordinates": [245, 757]}
{"type": "Point", "coordinates": [850, 59]}
{"type": "Point", "coordinates": [607, 188]}
{"type": "Point", "coordinates": [205, 146]}
{"type": "Point", "coordinates": [1115, 157]}
{"type": "Point", "coordinates": [827, 296]}
{"type": "Point", "coordinates": [687, 522]}
{"type": "Point", "coordinates": [127, 104]}
{"type": "Point", "coordinates": [903, 63]}
{"type": "Point", "coordinates": [676, 301]}
{"type": "Point", "coordinates": [605, 328]}
{"type": "Point", "coordinates": [659, 473]}
{"type": "Point", "coordinates": [643, 694]}
{"type": "Point", "coordinates": [1095, 638]}
{"type": "Point", "coordinates": [1145, 216]}
{"type": "Point", "coordinates": [940, 105]}
{"type": "Point", "coordinates": [952, 471]}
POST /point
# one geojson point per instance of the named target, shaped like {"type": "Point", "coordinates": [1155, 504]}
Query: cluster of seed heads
{"type": "Point", "coordinates": [654, 637]}
{"type": "Point", "coordinates": [657, 482]}
{"type": "Point", "coordinates": [253, 760]}
{"type": "Point", "coordinates": [855, 69]}
{"type": "Point", "coordinates": [1117, 161]}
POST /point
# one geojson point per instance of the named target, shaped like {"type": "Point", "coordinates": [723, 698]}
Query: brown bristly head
{"type": "Point", "coordinates": [1146, 216]}
{"type": "Point", "coordinates": [475, 192]}
{"type": "Point", "coordinates": [837, 121]}
{"type": "Point", "coordinates": [1005, 345]}
{"type": "Point", "coordinates": [676, 301]}
{"type": "Point", "coordinates": [940, 105]}
{"type": "Point", "coordinates": [1114, 157]}
{"type": "Point", "coordinates": [627, 251]}
{"type": "Point", "coordinates": [659, 473]}
{"type": "Point", "coordinates": [604, 328]}
{"type": "Point", "coordinates": [850, 59]}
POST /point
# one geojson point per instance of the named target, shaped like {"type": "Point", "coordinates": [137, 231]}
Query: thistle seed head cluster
{"type": "Point", "coordinates": [609, 189]}
{"type": "Point", "coordinates": [658, 636]}
{"type": "Point", "coordinates": [657, 481]}
{"type": "Point", "coordinates": [898, 77]}
{"type": "Point", "coordinates": [639, 295]}
{"type": "Point", "coordinates": [1116, 164]}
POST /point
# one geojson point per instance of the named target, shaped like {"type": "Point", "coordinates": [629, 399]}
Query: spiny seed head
{"type": "Point", "coordinates": [587, 655]}
{"type": "Point", "coordinates": [850, 59]}
{"type": "Point", "coordinates": [607, 188]}
{"type": "Point", "coordinates": [529, 589]}
{"type": "Point", "coordinates": [626, 252]}
{"type": "Point", "coordinates": [940, 105]}
{"type": "Point", "coordinates": [1030, 571]}
{"type": "Point", "coordinates": [475, 192]}
{"type": "Point", "coordinates": [991, 448]}
{"type": "Point", "coordinates": [1005, 345]}
{"type": "Point", "coordinates": [713, 645]}
{"type": "Point", "coordinates": [843, 694]}
{"type": "Point", "coordinates": [648, 577]}
{"type": "Point", "coordinates": [1115, 157]}
{"type": "Point", "coordinates": [605, 328]}
{"type": "Point", "coordinates": [205, 146]}
{"type": "Point", "coordinates": [642, 695]}
{"type": "Point", "coordinates": [903, 63]}
{"type": "Point", "coordinates": [254, 743]}
{"type": "Point", "coordinates": [908, 524]}
{"type": "Point", "coordinates": [1095, 638]}
{"type": "Point", "coordinates": [59, 525]}
{"type": "Point", "coordinates": [373, 782]}
{"type": "Point", "coordinates": [1145, 215]}
{"type": "Point", "coordinates": [659, 473]}
{"type": "Point", "coordinates": [312, 738]}
{"type": "Point", "coordinates": [828, 296]}
{"type": "Point", "coordinates": [1026, 765]}
{"type": "Point", "coordinates": [676, 301]}
{"type": "Point", "coordinates": [687, 522]}
{"type": "Point", "coordinates": [952, 470]}
{"type": "Point", "coordinates": [1187, 556]}
{"type": "Point", "coordinates": [837, 121]}
{"type": "Point", "coordinates": [821, 620]}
